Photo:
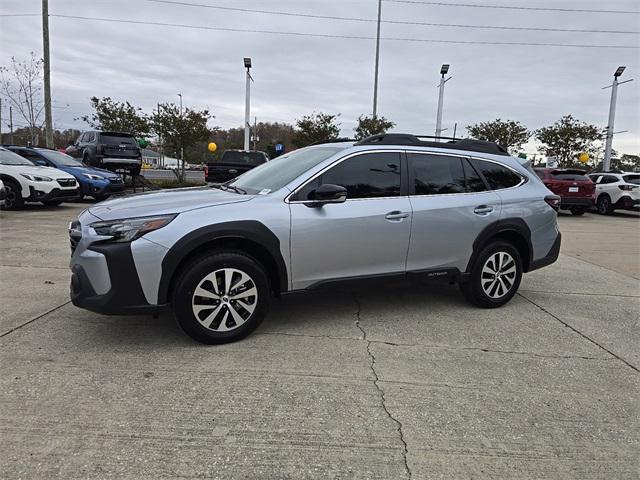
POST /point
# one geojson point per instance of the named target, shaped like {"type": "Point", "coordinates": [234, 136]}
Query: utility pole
{"type": "Point", "coordinates": [247, 104]}
{"type": "Point", "coordinates": [0, 121]}
{"type": "Point", "coordinates": [375, 81]}
{"type": "Point", "coordinates": [606, 164]}
{"type": "Point", "coordinates": [160, 159]}
{"type": "Point", "coordinates": [48, 122]}
{"type": "Point", "coordinates": [181, 141]}
{"type": "Point", "coordinates": [255, 131]}
{"type": "Point", "coordinates": [10, 125]}
{"type": "Point", "coordinates": [443, 71]}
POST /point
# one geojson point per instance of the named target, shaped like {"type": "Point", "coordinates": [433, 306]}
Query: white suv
{"type": "Point", "coordinates": [616, 191]}
{"type": "Point", "coordinates": [26, 182]}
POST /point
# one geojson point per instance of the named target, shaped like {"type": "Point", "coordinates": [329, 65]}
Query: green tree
{"type": "Point", "coordinates": [506, 133]}
{"type": "Point", "coordinates": [567, 138]}
{"type": "Point", "coordinates": [315, 128]}
{"type": "Point", "coordinates": [116, 116]}
{"type": "Point", "coordinates": [180, 131]}
{"type": "Point", "coordinates": [370, 125]}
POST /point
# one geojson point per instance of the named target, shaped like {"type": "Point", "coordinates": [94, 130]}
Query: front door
{"type": "Point", "coordinates": [366, 235]}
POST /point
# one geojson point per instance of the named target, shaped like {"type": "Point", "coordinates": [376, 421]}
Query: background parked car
{"type": "Point", "coordinates": [616, 191]}
{"type": "Point", "coordinates": [26, 182]}
{"type": "Point", "coordinates": [110, 150]}
{"type": "Point", "coordinates": [575, 188]}
{"type": "Point", "coordinates": [94, 182]}
{"type": "Point", "coordinates": [232, 164]}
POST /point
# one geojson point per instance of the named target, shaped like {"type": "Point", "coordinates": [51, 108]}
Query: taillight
{"type": "Point", "coordinates": [553, 201]}
{"type": "Point", "coordinates": [627, 188]}
{"type": "Point", "coordinates": [206, 171]}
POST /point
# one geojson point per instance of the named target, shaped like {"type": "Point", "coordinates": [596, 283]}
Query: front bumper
{"type": "Point", "coordinates": [53, 195]}
{"type": "Point", "coordinates": [102, 188]}
{"type": "Point", "coordinates": [122, 295]}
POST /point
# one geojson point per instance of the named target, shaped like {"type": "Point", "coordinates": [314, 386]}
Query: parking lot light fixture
{"type": "Point", "coordinates": [247, 105]}
{"type": "Point", "coordinates": [619, 71]}
{"type": "Point", "coordinates": [443, 71]}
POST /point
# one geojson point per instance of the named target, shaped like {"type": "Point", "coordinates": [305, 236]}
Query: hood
{"type": "Point", "coordinates": [91, 170]}
{"type": "Point", "coordinates": [38, 170]}
{"type": "Point", "coordinates": [166, 201]}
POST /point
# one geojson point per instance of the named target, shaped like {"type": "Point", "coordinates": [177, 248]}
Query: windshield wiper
{"type": "Point", "coordinates": [234, 188]}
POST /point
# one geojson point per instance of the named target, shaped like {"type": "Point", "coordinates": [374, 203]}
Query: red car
{"type": "Point", "coordinates": [576, 190]}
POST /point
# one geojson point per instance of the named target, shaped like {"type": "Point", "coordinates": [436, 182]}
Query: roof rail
{"type": "Point", "coordinates": [334, 140]}
{"type": "Point", "coordinates": [468, 144]}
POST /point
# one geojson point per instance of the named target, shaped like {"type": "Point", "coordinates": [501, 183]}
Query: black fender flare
{"type": "Point", "coordinates": [250, 230]}
{"type": "Point", "coordinates": [507, 225]}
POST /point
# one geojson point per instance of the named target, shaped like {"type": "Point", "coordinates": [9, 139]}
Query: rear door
{"type": "Point", "coordinates": [451, 206]}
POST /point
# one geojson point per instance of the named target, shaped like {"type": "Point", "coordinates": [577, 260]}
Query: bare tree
{"type": "Point", "coordinates": [21, 84]}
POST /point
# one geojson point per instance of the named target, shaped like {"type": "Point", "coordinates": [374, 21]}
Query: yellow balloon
{"type": "Point", "coordinates": [583, 157]}
{"type": "Point", "coordinates": [212, 147]}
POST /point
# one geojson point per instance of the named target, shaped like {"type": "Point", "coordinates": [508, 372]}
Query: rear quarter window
{"type": "Point", "coordinates": [635, 179]}
{"type": "Point", "coordinates": [497, 176]}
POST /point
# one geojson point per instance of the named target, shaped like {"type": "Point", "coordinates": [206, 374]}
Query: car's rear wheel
{"type": "Point", "coordinates": [604, 205]}
{"type": "Point", "coordinates": [14, 200]}
{"type": "Point", "coordinates": [495, 276]}
{"type": "Point", "coordinates": [221, 297]}
{"type": "Point", "coordinates": [577, 211]}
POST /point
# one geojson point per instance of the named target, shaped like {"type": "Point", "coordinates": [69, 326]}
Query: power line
{"type": "Point", "coordinates": [511, 7]}
{"type": "Point", "coordinates": [393, 22]}
{"type": "Point", "coordinates": [351, 37]}
{"type": "Point", "coordinates": [20, 14]}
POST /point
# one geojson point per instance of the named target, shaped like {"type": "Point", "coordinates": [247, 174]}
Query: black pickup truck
{"type": "Point", "coordinates": [232, 164]}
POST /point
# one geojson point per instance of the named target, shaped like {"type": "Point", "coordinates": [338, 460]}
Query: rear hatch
{"type": "Point", "coordinates": [119, 145]}
{"type": "Point", "coordinates": [233, 164]}
{"type": "Point", "coordinates": [570, 183]}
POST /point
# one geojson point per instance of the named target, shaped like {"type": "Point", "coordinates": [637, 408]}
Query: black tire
{"type": "Point", "coordinates": [101, 198]}
{"type": "Point", "coordinates": [578, 211]}
{"type": "Point", "coordinates": [14, 200]}
{"type": "Point", "coordinates": [194, 274]}
{"type": "Point", "coordinates": [52, 203]}
{"type": "Point", "coordinates": [473, 290]}
{"type": "Point", "coordinates": [604, 205]}
{"type": "Point", "coordinates": [86, 159]}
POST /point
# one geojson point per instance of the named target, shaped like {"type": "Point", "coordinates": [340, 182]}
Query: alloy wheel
{"type": "Point", "coordinates": [224, 299]}
{"type": "Point", "coordinates": [498, 275]}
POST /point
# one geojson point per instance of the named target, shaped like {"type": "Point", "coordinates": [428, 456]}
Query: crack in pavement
{"type": "Point", "coordinates": [586, 337]}
{"type": "Point", "coordinates": [34, 319]}
{"type": "Point", "coordinates": [376, 383]}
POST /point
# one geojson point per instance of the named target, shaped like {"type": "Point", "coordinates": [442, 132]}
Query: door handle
{"type": "Point", "coordinates": [483, 210]}
{"type": "Point", "coordinates": [396, 215]}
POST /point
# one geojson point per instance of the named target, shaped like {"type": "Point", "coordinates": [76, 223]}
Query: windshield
{"type": "Point", "coordinates": [632, 179]}
{"type": "Point", "coordinates": [274, 175]}
{"type": "Point", "coordinates": [10, 158]}
{"type": "Point", "coordinates": [243, 158]}
{"type": "Point", "coordinates": [60, 159]}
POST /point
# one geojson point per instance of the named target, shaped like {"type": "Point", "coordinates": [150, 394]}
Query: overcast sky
{"type": "Point", "coordinates": [295, 75]}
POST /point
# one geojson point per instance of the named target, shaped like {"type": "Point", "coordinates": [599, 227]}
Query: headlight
{"type": "Point", "coordinates": [129, 229]}
{"type": "Point", "coordinates": [91, 176]}
{"type": "Point", "coordinates": [35, 178]}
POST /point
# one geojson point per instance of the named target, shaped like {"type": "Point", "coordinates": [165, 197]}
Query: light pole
{"type": "Point", "coordinates": [48, 118]}
{"type": "Point", "coordinates": [375, 81]}
{"type": "Point", "coordinates": [606, 164]}
{"type": "Point", "coordinates": [443, 71]}
{"type": "Point", "coordinates": [181, 139]}
{"type": "Point", "coordinates": [247, 104]}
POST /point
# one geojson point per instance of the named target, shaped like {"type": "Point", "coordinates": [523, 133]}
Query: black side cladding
{"type": "Point", "coordinates": [250, 230]}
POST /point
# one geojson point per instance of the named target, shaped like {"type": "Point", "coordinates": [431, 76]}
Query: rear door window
{"type": "Point", "coordinates": [497, 176]}
{"type": "Point", "coordinates": [473, 181]}
{"type": "Point", "coordinates": [436, 174]}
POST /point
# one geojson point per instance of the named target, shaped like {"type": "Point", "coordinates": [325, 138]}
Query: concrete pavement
{"type": "Point", "coordinates": [404, 381]}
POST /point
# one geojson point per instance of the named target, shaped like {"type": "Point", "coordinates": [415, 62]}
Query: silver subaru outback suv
{"type": "Point", "coordinates": [392, 204]}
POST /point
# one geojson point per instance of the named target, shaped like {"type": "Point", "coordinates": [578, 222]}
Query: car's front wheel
{"type": "Point", "coordinates": [221, 297]}
{"type": "Point", "coordinates": [495, 276]}
{"type": "Point", "coordinates": [14, 200]}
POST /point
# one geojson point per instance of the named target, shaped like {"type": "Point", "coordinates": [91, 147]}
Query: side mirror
{"type": "Point", "coordinates": [329, 193]}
